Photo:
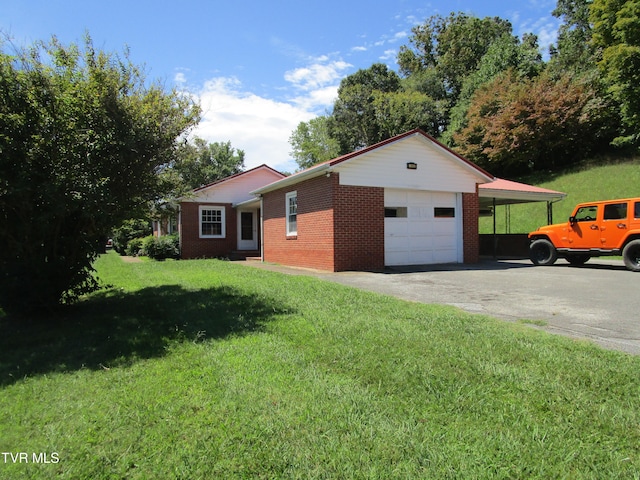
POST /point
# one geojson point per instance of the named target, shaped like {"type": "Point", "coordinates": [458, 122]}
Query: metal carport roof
{"type": "Point", "coordinates": [507, 192]}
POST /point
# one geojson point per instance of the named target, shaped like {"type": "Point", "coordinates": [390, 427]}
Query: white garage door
{"type": "Point", "coordinates": [421, 227]}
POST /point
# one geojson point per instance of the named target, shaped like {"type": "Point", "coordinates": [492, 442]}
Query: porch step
{"type": "Point", "coordinates": [245, 255]}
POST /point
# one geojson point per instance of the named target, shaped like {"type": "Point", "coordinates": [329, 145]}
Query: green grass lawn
{"type": "Point", "coordinates": [207, 369]}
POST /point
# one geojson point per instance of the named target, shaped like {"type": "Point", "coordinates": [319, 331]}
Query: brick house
{"type": "Point", "coordinates": [222, 219]}
{"type": "Point", "coordinates": [407, 200]}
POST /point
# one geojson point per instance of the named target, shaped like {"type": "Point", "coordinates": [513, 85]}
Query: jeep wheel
{"type": "Point", "coordinates": [577, 259]}
{"type": "Point", "coordinates": [631, 255]}
{"type": "Point", "coordinates": [542, 252]}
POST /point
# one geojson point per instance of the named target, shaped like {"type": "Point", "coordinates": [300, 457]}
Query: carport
{"type": "Point", "coordinates": [506, 192]}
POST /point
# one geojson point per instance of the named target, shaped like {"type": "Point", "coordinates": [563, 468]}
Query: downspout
{"type": "Point", "coordinates": [261, 228]}
{"type": "Point", "coordinates": [180, 229]}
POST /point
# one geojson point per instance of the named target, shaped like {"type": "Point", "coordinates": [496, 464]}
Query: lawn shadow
{"type": "Point", "coordinates": [115, 328]}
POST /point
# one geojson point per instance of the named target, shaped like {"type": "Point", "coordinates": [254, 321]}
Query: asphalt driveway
{"type": "Point", "coordinates": [598, 301]}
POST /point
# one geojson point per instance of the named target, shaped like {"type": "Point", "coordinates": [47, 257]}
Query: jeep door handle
{"type": "Point", "coordinates": [622, 225]}
{"type": "Point", "coordinates": [593, 227]}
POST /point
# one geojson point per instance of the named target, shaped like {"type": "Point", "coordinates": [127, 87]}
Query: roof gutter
{"type": "Point", "coordinates": [523, 196]}
{"type": "Point", "coordinates": [317, 171]}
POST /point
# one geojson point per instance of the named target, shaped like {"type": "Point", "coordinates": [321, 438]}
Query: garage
{"type": "Point", "coordinates": [407, 200]}
{"type": "Point", "coordinates": [422, 227]}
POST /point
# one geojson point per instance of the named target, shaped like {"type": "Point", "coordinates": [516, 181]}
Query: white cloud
{"type": "Point", "coordinates": [547, 34]}
{"type": "Point", "coordinates": [317, 75]}
{"type": "Point", "coordinates": [546, 28]}
{"type": "Point", "coordinates": [388, 55]}
{"type": "Point", "coordinates": [318, 100]}
{"type": "Point", "coordinates": [398, 36]}
{"type": "Point", "coordinates": [180, 78]}
{"type": "Point", "coordinates": [413, 20]}
{"type": "Point", "coordinates": [262, 126]}
{"type": "Point", "coordinates": [259, 126]}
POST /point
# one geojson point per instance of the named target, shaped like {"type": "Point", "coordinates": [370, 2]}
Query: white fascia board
{"type": "Point", "coordinates": [523, 196]}
{"type": "Point", "coordinates": [252, 202]}
{"type": "Point", "coordinates": [295, 178]}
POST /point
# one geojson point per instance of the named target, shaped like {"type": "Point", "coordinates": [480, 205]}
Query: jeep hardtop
{"type": "Point", "coordinates": [595, 229]}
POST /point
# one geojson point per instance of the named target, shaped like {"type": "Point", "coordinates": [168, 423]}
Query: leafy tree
{"type": "Point", "coordinates": [311, 143]}
{"type": "Point", "coordinates": [199, 163]}
{"type": "Point", "coordinates": [516, 125]}
{"type": "Point", "coordinates": [616, 35]}
{"type": "Point", "coordinates": [507, 52]}
{"type": "Point", "coordinates": [353, 121]}
{"type": "Point", "coordinates": [127, 231]}
{"type": "Point", "coordinates": [82, 138]}
{"type": "Point", "coordinates": [452, 47]}
{"type": "Point", "coordinates": [573, 52]}
{"type": "Point", "coordinates": [398, 112]}
{"type": "Point", "coordinates": [428, 82]}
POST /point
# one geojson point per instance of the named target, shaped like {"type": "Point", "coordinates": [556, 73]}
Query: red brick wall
{"type": "Point", "coordinates": [312, 247]}
{"type": "Point", "coordinates": [192, 246]}
{"type": "Point", "coordinates": [470, 232]}
{"type": "Point", "coordinates": [339, 227]}
{"type": "Point", "coordinates": [359, 227]}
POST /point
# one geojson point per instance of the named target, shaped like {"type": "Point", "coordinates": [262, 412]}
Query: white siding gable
{"type": "Point", "coordinates": [437, 169]}
{"type": "Point", "coordinates": [236, 189]}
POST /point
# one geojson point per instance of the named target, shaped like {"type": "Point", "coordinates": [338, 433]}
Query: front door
{"type": "Point", "coordinates": [247, 230]}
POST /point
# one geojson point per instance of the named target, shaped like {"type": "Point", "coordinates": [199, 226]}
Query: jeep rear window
{"type": "Point", "coordinates": [636, 213]}
{"type": "Point", "coordinates": [615, 211]}
{"type": "Point", "coordinates": [587, 214]}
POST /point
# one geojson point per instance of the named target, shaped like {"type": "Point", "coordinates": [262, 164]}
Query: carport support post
{"type": "Point", "coordinates": [495, 238]}
{"type": "Point", "coordinates": [549, 213]}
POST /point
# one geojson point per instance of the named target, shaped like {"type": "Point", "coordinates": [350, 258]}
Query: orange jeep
{"type": "Point", "coordinates": [595, 229]}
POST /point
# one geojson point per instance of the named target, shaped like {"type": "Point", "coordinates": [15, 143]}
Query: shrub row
{"type": "Point", "coordinates": [159, 248]}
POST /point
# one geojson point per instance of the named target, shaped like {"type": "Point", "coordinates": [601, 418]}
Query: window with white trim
{"type": "Point", "coordinates": [291, 213]}
{"type": "Point", "coordinates": [212, 222]}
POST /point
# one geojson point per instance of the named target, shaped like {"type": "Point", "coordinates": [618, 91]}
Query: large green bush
{"type": "Point", "coordinates": [135, 246]}
{"type": "Point", "coordinates": [128, 231]}
{"type": "Point", "coordinates": [161, 248]}
{"type": "Point", "coordinates": [83, 136]}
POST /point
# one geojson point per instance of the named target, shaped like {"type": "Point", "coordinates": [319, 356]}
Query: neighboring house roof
{"type": "Point", "coordinates": [509, 192]}
{"type": "Point", "coordinates": [322, 168]}
{"type": "Point", "coordinates": [231, 177]}
{"type": "Point", "coordinates": [235, 188]}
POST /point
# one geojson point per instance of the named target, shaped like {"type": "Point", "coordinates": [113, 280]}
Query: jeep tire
{"type": "Point", "coordinates": [631, 255]}
{"type": "Point", "coordinates": [542, 252]}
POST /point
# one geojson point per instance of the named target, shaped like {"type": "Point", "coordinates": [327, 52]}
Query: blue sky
{"type": "Point", "coordinates": [257, 67]}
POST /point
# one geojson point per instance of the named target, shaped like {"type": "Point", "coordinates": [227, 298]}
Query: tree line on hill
{"type": "Point", "coordinates": [489, 95]}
